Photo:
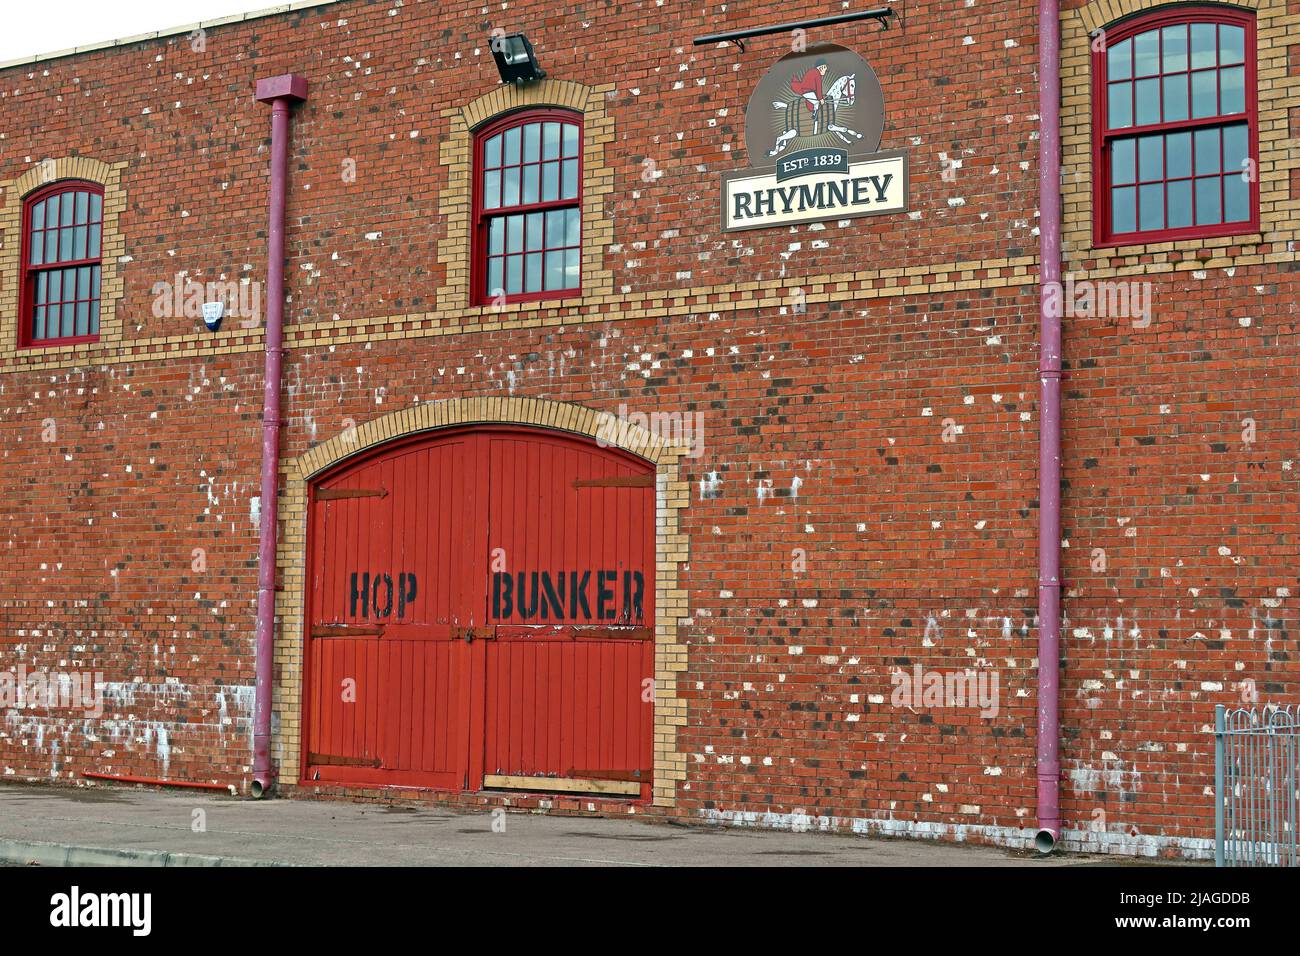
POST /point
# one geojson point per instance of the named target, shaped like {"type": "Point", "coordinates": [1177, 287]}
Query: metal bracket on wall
{"type": "Point", "coordinates": [881, 15]}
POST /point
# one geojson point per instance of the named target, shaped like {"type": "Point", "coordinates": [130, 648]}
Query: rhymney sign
{"type": "Point", "coordinates": [816, 117]}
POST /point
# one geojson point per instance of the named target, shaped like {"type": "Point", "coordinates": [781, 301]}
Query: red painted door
{"type": "Point", "coordinates": [391, 590]}
{"type": "Point", "coordinates": [571, 546]}
{"type": "Point", "coordinates": [480, 613]}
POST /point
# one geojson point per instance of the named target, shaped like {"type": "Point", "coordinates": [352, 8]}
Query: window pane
{"type": "Point", "coordinates": [79, 242]}
{"type": "Point", "coordinates": [1203, 45]}
{"type": "Point", "coordinates": [69, 202]}
{"type": "Point", "coordinates": [83, 318]}
{"type": "Point", "coordinates": [1235, 145]}
{"type": "Point", "coordinates": [82, 203]}
{"type": "Point", "coordinates": [92, 242]}
{"type": "Point", "coordinates": [65, 244]}
{"type": "Point", "coordinates": [38, 248]}
{"type": "Point", "coordinates": [38, 215]}
{"type": "Point", "coordinates": [1119, 61]}
{"type": "Point", "coordinates": [52, 212]}
{"type": "Point", "coordinates": [1236, 198]}
{"type": "Point", "coordinates": [496, 271]}
{"type": "Point", "coordinates": [1119, 106]}
{"type": "Point", "coordinates": [1151, 158]}
{"type": "Point", "coordinates": [83, 282]}
{"type": "Point", "coordinates": [510, 186]}
{"type": "Point", "coordinates": [1232, 87]}
{"type": "Point", "coordinates": [1147, 102]}
{"type": "Point", "coordinates": [1173, 45]}
{"type": "Point", "coordinates": [94, 284]}
{"type": "Point", "coordinates": [56, 286]}
{"type": "Point", "coordinates": [1208, 209]}
{"type": "Point", "coordinates": [514, 275]}
{"type": "Point", "coordinates": [42, 286]}
{"type": "Point", "coordinates": [533, 272]}
{"type": "Point", "coordinates": [531, 191]}
{"type": "Point", "coordinates": [532, 142]}
{"type": "Point", "coordinates": [573, 230]}
{"type": "Point", "coordinates": [1204, 101]}
{"type": "Point", "coordinates": [551, 141]}
{"type": "Point", "coordinates": [1207, 151]}
{"type": "Point", "coordinates": [1179, 204]}
{"type": "Point", "coordinates": [570, 140]}
{"type": "Point", "coordinates": [1151, 207]}
{"type": "Point", "coordinates": [1232, 44]}
{"type": "Point", "coordinates": [1146, 53]}
{"type": "Point", "coordinates": [555, 270]}
{"type": "Point", "coordinates": [492, 189]}
{"type": "Point", "coordinates": [515, 234]}
{"type": "Point", "coordinates": [94, 317]}
{"type": "Point", "coordinates": [1175, 88]}
{"type": "Point", "coordinates": [555, 228]}
{"type": "Point", "coordinates": [569, 181]}
{"type": "Point", "coordinates": [52, 245]}
{"type": "Point", "coordinates": [492, 151]}
{"type": "Point", "coordinates": [572, 258]}
{"type": "Point", "coordinates": [38, 324]}
{"type": "Point", "coordinates": [1178, 155]}
{"type": "Point", "coordinates": [96, 212]}
{"type": "Point", "coordinates": [534, 231]}
{"type": "Point", "coordinates": [496, 236]}
{"type": "Point", "coordinates": [69, 318]}
{"type": "Point", "coordinates": [550, 182]}
{"type": "Point", "coordinates": [512, 147]}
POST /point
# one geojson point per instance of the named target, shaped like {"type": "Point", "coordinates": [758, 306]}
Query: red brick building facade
{"type": "Point", "coordinates": [858, 506]}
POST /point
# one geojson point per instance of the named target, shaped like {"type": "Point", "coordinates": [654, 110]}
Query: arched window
{"type": "Point", "coordinates": [1174, 127]}
{"type": "Point", "coordinates": [62, 235]}
{"type": "Point", "coordinates": [527, 207]}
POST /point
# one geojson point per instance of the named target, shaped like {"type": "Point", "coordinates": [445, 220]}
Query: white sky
{"type": "Point", "coordinates": [32, 28]}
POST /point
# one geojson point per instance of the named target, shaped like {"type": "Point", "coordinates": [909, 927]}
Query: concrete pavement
{"type": "Point", "coordinates": [110, 825]}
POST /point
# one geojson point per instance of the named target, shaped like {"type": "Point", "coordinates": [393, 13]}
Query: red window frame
{"type": "Point", "coordinates": [482, 218]}
{"type": "Point", "coordinates": [30, 273]}
{"type": "Point", "coordinates": [1103, 136]}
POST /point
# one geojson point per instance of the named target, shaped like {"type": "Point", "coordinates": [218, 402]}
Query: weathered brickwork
{"type": "Point", "coordinates": [866, 500]}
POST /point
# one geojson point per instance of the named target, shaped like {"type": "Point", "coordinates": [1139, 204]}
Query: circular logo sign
{"type": "Point", "coordinates": [823, 98]}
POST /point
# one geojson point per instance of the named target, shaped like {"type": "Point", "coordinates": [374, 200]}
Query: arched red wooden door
{"type": "Point", "coordinates": [480, 609]}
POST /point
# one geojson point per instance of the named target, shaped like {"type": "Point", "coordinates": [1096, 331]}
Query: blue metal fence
{"type": "Point", "coordinates": [1256, 786]}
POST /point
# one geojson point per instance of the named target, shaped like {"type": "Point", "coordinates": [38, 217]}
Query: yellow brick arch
{"type": "Point", "coordinates": [509, 97]}
{"type": "Point", "coordinates": [540, 412]}
{"type": "Point", "coordinates": [1102, 13]}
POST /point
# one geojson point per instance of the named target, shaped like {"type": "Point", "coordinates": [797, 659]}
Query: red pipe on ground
{"type": "Point", "coordinates": [281, 92]}
{"type": "Point", "coordinates": [154, 782]}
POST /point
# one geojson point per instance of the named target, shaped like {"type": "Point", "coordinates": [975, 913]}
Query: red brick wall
{"type": "Point", "coordinates": [826, 429]}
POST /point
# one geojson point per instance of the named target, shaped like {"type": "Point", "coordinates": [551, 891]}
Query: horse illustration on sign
{"type": "Point", "coordinates": [823, 108]}
{"type": "Point", "coordinates": [824, 97]}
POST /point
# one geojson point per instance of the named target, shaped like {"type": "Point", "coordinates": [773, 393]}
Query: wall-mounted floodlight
{"type": "Point", "coordinates": [516, 61]}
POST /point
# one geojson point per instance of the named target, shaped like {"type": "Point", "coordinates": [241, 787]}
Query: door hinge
{"type": "Point", "coordinates": [334, 494]}
{"type": "Point", "coordinates": [347, 630]}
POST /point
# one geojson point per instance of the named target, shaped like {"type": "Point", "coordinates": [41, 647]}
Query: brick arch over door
{"type": "Point", "coordinates": [355, 441]}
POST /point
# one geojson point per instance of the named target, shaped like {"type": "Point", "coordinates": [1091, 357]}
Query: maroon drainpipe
{"type": "Point", "coordinates": [281, 92]}
{"type": "Point", "coordinates": [1049, 427]}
